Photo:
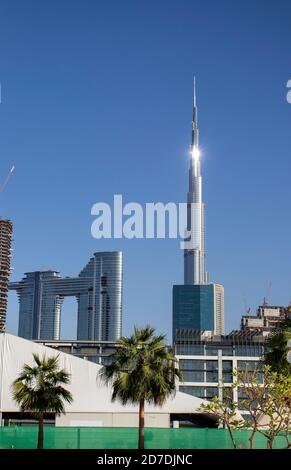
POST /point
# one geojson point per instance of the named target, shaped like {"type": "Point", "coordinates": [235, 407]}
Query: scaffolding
{"type": "Point", "coordinates": [6, 230]}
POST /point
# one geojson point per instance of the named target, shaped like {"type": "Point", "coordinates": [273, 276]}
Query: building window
{"type": "Point", "coordinates": [227, 375]}
{"type": "Point", "coordinates": [211, 351]}
{"type": "Point", "coordinates": [248, 350]}
{"type": "Point", "coordinates": [191, 364]}
{"type": "Point", "coordinates": [192, 370]}
{"type": "Point", "coordinates": [211, 371]}
{"type": "Point", "coordinates": [193, 376]}
{"type": "Point", "coordinates": [252, 366]}
{"type": "Point", "coordinates": [201, 392]}
{"type": "Point", "coordinates": [211, 392]}
{"type": "Point", "coordinates": [189, 349]}
{"type": "Point", "coordinates": [195, 391]}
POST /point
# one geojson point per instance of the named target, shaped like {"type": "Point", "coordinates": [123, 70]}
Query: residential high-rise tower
{"type": "Point", "coordinates": [98, 290]}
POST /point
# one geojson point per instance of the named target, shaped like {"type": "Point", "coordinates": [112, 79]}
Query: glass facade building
{"type": "Point", "coordinates": [100, 308]}
{"type": "Point", "coordinates": [98, 290]}
{"type": "Point", "coordinates": [198, 307]}
{"type": "Point", "coordinates": [208, 362]}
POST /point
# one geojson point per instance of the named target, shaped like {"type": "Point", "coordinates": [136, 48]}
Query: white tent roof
{"type": "Point", "coordinates": [90, 394]}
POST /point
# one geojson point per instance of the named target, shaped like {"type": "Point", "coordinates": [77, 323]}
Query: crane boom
{"type": "Point", "coordinates": [266, 298]}
{"type": "Point", "coordinates": [4, 184]}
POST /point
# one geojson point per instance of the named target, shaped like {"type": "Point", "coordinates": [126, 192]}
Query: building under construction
{"type": "Point", "coordinates": [267, 318]}
{"type": "Point", "coordinates": [6, 229]}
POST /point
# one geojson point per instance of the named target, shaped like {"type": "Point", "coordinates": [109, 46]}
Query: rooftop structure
{"type": "Point", "coordinates": [92, 405]}
{"type": "Point", "coordinates": [267, 318]}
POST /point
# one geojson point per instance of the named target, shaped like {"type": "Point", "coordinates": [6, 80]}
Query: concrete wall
{"type": "Point", "coordinates": [156, 420]}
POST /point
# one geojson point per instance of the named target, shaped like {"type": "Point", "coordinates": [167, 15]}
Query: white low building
{"type": "Point", "coordinates": [92, 405]}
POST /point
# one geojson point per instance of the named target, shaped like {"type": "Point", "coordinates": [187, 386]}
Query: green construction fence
{"type": "Point", "coordinates": [25, 437]}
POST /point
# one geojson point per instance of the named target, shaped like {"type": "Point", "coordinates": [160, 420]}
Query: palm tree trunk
{"type": "Point", "coordinates": [141, 425]}
{"type": "Point", "coordinates": [40, 432]}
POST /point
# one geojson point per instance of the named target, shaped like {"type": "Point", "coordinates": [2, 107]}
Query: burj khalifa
{"type": "Point", "coordinates": [194, 254]}
{"type": "Point", "coordinates": [198, 304]}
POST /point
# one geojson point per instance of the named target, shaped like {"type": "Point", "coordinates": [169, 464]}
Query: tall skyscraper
{"type": "Point", "coordinates": [100, 310]}
{"type": "Point", "coordinates": [98, 290]}
{"type": "Point", "coordinates": [198, 304]}
{"type": "Point", "coordinates": [6, 230]}
{"type": "Point", "coordinates": [194, 257]}
{"type": "Point", "coordinates": [39, 305]}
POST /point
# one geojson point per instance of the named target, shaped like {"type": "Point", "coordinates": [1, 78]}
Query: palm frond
{"type": "Point", "coordinates": [38, 388]}
{"type": "Point", "coordinates": [143, 367]}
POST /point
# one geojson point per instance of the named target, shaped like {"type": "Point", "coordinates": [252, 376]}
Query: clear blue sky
{"type": "Point", "coordinates": [96, 100]}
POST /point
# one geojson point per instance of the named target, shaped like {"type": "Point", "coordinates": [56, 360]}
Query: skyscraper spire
{"type": "Point", "coordinates": [194, 117]}
{"type": "Point", "coordinates": [198, 305]}
{"type": "Point", "coordinates": [194, 257]}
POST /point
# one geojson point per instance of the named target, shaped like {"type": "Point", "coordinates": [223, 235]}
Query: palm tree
{"type": "Point", "coordinates": [38, 389]}
{"type": "Point", "coordinates": [143, 369]}
{"type": "Point", "coordinates": [276, 358]}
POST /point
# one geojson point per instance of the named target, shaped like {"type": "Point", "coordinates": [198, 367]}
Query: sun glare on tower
{"type": "Point", "coordinates": [195, 153]}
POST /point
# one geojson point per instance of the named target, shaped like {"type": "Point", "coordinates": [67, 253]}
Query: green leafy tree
{"type": "Point", "coordinates": [276, 358]}
{"type": "Point", "coordinates": [39, 390]}
{"type": "Point", "coordinates": [249, 384]}
{"type": "Point", "coordinates": [266, 398]}
{"type": "Point", "coordinates": [274, 404]}
{"type": "Point", "coordinates": [143, 369]}
{"type": "Point", "coordinates": [225, 411]}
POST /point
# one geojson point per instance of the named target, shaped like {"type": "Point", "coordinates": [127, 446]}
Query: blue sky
{"type": "Point", "coordinates": [96, 101]}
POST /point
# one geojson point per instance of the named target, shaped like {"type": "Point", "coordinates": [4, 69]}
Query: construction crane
{"type": "Point", "coordinates": [247, 309]}
{"type": "Point", "coordinates": [4, 184]}
{"type": "Point", "coordinates": [266, 298]}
